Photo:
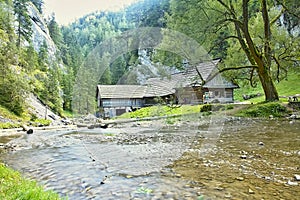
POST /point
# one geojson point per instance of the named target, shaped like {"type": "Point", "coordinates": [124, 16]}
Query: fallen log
{"type": "Point", "coordinates": [27, 129]}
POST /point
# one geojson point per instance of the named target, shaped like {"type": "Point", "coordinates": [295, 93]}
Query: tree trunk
{"type": "Point", "coordinates": [267, 83]}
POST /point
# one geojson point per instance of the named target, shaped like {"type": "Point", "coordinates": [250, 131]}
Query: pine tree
{"type": "Point", "coordinates": [24, 30]}
{"type": "Point", "coordinates": [55, 32]}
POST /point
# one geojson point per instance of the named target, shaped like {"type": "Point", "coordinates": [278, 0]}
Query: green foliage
{"type": "Point", "coordinates": [5, 113]}
{"type": "Point", "coordinates": [13, 84]}
{"type": "Point", "coordinates": [148, 13]}
{"type": "Point", "coordinates": [13, 186]}
{"type": "Point", "coordinates": [13, 90]}
{"type": "Point", "coordinates": [264, 110]}
{"type": "Point", "coordinates": [28, 59]}
{"type": "Point", "coordinates": [51, 94]}
{"type": "Point", "coordinates": [43, 59]}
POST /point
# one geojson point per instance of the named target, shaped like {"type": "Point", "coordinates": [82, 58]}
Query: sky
{"type": "Point", "coordinates": [66, 11]}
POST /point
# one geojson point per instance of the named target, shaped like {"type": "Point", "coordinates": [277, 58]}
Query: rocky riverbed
{"type": "Point", "coordinates": [176, 158]}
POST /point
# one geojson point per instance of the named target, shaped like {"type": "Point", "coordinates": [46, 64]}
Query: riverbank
{"type": "Point", "coordinates": [14, 186]}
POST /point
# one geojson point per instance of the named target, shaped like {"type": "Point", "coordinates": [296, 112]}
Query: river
{"type": "Point", "coordinates": [194, 158]}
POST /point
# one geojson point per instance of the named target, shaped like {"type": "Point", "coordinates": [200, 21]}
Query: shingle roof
{"type": "Point", "coordinates": [206, 68]}
{"type": "Point", "coordinates": [219, 81]}
{"type": "Point", "coordinates": [163, 86]}
{"type": "Point", "coordinates": [121, 91]}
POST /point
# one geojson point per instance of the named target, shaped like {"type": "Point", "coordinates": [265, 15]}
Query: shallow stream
{"type": "Point", "coordinates": [229, 158]}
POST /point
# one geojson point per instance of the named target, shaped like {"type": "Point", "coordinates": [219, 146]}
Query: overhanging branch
{"type": "Point", "coordinates": [222, 40]}
{"type": "Point", "coordinates": [231, 68]}
{"type": "Point", "coordinates": [237, 68]}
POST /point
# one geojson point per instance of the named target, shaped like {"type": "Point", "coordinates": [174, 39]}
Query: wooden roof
{"type": "Point", "coordinates": [121, 91]}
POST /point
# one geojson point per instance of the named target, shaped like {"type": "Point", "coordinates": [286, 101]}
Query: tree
{"type": "Point", "coordinates": [24, 30]}
{"type": "Point", "coordinates": [54, 31]}
{"type": "Point", "coordinates": [38, 4]}
{"type": "Point", "coordinates": [43, 58]}
{"type": "Point", "coordinates": [13, 84]}
{"type": "Point", "coordinates": [249, 27]}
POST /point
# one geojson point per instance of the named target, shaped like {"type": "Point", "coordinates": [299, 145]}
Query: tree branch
{"type": "Point", "coordinates": [230, 68]}
{"type": "Point", "coordinates": [238, 68]}
{"type": "Point", "coordinates": [222, 40]}
{"type": "Point", "coordinates": [278, 16]}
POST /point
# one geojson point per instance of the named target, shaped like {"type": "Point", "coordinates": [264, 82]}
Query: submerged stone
{"type": "Point", "coordinates": [297, 177]}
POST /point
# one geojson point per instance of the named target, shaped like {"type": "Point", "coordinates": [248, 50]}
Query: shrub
{"type": "Point", "coordinates": [43, 122]}
{"type": "Point", "coordinates": [206, 108]}
{"type": "Point", "coordinates": [9, 125]}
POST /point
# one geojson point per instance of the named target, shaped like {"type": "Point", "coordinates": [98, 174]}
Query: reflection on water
{"type": "Point", "coordinates": [250, 159]}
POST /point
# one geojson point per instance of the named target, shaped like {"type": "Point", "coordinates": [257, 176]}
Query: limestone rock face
{"type": "Point", "coordinates": [40, 32]}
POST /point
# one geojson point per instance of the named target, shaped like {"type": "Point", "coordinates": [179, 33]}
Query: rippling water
{"type": "Point", "coordinates": [248, 159]}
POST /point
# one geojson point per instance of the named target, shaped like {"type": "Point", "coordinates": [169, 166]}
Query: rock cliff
{"type": "Point", "coordinates": [40, 31]}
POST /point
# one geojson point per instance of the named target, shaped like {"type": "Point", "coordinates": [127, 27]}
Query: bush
{"type": "Point", "coordinates": [9, 125]}
{"type": "Point", "coordinates": [206, 108]}
{"type": "Point", "coordinates": [42, 122]}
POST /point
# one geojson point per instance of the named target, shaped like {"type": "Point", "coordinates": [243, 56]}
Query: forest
{"type": "Point", "coordinates": [257, 40]}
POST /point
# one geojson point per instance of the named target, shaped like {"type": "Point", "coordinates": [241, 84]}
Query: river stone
{"type": "Point", "coordinates": [261, 143]}
{"type": "Point", "coordinates": [291, 183]}
{"type": "Point", "coordinates": [297, 177]}
{"type": "Point", "coordinates": [250, 191]}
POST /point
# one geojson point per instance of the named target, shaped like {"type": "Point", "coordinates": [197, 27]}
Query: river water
{"type": "Point", "coordinates": [229, 158]}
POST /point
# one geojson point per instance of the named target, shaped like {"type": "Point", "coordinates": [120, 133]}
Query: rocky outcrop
{"type": "Point", "coordinates": [37, 108]}
{"type": "Point", "coordinates": [40, 31]}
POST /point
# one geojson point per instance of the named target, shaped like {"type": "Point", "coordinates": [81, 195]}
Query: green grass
{"type": "Point", "coordinates": [162, 110]}
{"type": "Point", "coordinates": [14, 186]}
{"type": "Point", "coordinates": [264, 110]}
{"type": "Point", "coordinates": [288, 87]}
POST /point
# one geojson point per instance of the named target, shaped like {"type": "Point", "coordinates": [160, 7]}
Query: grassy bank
{"type": "Point", "coordinates": [14, 186]}
{"type": "Point", "coordinates": [264, 110]}
{"type": "Point", "coordinates": [17, 121]}
{"type": "Point", "coordinates": [259, 110]}
{"type": "Point", "coordinates": [162, 110]}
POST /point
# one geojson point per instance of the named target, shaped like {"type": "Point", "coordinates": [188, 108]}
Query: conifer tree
{"type": "Point", "coordinates": [24, 30]}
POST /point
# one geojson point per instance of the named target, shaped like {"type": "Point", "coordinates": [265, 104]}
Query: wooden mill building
{"type": "Point", "coordinates": [195, 85]}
